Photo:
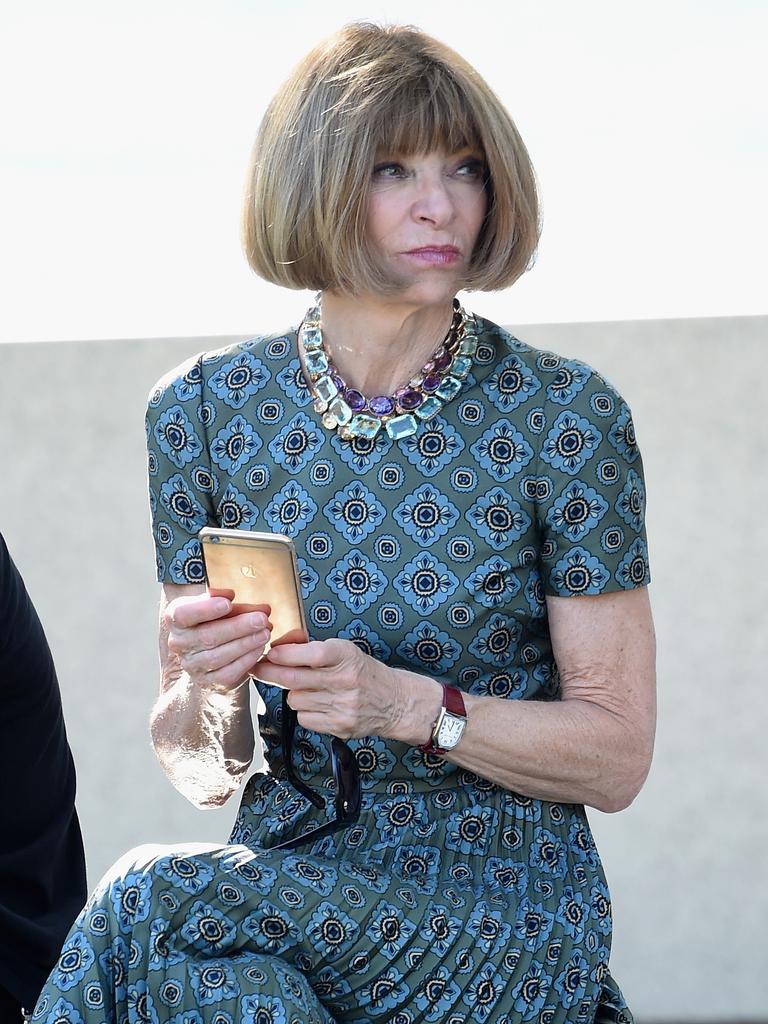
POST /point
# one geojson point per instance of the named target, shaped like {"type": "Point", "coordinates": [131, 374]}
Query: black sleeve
{"type": "Point", "coordinates": [42, 865]}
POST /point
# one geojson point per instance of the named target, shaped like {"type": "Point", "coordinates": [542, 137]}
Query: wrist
{"type": "Point", "coordinates": [418, 700]}
{"type": "Point", "coordinates": [222, 694]}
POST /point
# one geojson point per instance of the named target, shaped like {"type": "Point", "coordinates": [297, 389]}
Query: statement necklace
{"type": "Point", "coordinates": [347, 411]}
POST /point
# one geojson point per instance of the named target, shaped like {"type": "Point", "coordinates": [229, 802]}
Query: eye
{"type": "Point", "coordinates": [388, 171]}
{"type": "Point", "coordinates": [472, 169]}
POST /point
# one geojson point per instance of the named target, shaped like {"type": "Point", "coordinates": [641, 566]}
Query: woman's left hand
{"type": "Point", "coordinates": [339, 690]}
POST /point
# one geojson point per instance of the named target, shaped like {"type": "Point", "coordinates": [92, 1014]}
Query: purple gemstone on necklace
{"type": "Point", "coordinates": [442, 360]}
{"type": "Point", "coordinates": [408, 399]}
{"type": "Point", "coordinates": [381, 405]}
{"type": "Point", "coordinates": [354, 399]}
{"type": "Point", "coordinates": [338, 381]}
{"type": "Point", "coordinates": [432, 382]}
{"type": "Point", "coordinates": [428, 367]}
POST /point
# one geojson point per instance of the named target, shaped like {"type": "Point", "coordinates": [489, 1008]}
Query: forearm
{"type": "Point", "coordinates": [570, 751]}
{"type": "Point", "coordinates": [203, 740]}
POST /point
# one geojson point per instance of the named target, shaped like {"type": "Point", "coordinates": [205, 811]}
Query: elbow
{"type": "Point", "coordinates": [626, 768]}
{"type": "Point", "coordinates": [202, 778]}
{"type": "Point", "coordinates": [613, 802]}
{"type": "Point", "coordinates": [626, 780]}
{"type": "Point", "coordinates": [205, 790]}
{"type": "Point", "coordinates": [205, 801]}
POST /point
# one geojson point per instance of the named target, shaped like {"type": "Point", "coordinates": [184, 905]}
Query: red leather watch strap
{"type": "Point", "coordinates": [453, 701]}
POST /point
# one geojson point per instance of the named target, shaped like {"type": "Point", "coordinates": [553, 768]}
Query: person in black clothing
{"type": "Point", "coordinates": [42, 863]}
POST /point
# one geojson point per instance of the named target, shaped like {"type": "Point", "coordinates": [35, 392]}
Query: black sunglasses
{"type": "Point", "coordinates": [345, 776]}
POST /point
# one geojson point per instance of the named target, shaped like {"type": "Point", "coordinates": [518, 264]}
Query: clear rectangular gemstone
{"type": "Point", "coordinates": [326, 389]}
{"type": "Point", "coordinates": [461, 366]}
{"type": "Point", "coordinates": [429, 407]}
{"type": "Point", "coordinates": [340, 410]}
{"type": "Point", "coordinates": [317, 363]}
{"type": "Point", "coordinates": [364, 426]}
{"type": "Point", "coordinates": [312, 338]}
{"type": "Point", "coordinates": [448, 389]}
{"type": "Point", "coordinates": [402, 426]}
{"type": "Point", "coordinates": [468, 347]}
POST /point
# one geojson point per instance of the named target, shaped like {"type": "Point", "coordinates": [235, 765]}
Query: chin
{"type": "Point", "coordinates": [429, 293]}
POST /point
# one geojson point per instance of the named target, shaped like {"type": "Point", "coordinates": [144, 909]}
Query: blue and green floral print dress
{"type": "Point", "coordinates": [451, 899]}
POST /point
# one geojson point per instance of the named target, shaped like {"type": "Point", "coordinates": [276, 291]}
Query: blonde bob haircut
{"type": "Point", "coordinates": [369, 89]}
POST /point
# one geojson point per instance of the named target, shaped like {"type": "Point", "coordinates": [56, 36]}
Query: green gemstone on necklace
{"type": "Point", "coordinates": [402, 426]}
{"type": "Point", "coordinates": [317, 363]}
{"type": "Point", "coordinates": [429, 407]}
{"type": "Point", "coordinates": [449, 388]}
{"type": "Point", "coordinates": [342, 412]}
{"type": "Point", "coordinates": [364, 426]}
{"type": "Point", "coordinates": [468, 347]}
{"type": "Point", "coordinates": [461, 366]}
{"type": "Point", "coordinates": [312, 338]}
{"type": "Point", "coordinates": [325, 389]}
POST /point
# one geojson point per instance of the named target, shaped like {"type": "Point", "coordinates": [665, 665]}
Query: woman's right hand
{"type": "Point", "coordinates": [216, 652]}
{"type": "Point", "coordinates": [201, 723]}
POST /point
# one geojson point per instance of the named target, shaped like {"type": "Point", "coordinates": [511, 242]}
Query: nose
{"type": "Point", "coordinates": [434, 203]}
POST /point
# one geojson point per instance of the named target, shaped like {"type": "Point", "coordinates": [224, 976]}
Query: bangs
{"type": "Point", "coordinates": [424, 114]}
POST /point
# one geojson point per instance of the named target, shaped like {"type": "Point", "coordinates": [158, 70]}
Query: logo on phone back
{"type": "Point", "coordinates": [249, 571]}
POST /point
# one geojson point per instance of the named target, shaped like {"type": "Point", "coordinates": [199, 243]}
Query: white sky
{"type": "Point", "coordinates": [125, 129]}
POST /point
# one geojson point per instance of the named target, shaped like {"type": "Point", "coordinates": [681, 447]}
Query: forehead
{"type": "Point", "coordinates": [427, 117]}
{"type": "Point", "coordinates": [441, 153]}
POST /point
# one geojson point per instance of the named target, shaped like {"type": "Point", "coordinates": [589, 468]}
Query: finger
{"type": "Point", "coordinates": [188, 612]}
{"type": "Point", "coordinates": [314, 654]}
{"type": "Point", "coordinates": [290, 677]}
{"type": "Point", "coordinates": [317, 701]}
{"type": "Point", "coordinates": [229, 678]}
{"type": "Point", "coordinates": [205, 661]}
{"type": "Point", "coordinates": [184, 612]}
{"type": "Point", "coordinates": [207, 636]}
{"type": "Point", "coordinates": [327, 724]}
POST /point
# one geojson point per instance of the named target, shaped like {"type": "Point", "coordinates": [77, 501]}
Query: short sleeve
{"type": "Point", "coordinates": [181, 484]}
{"type": "Point", "coordinates": [590, 489]}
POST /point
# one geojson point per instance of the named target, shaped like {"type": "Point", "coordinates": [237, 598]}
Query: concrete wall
{"type": "Point", "coordinates": [687, 862]}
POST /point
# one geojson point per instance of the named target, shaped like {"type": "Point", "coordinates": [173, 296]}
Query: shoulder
{"type": "Point", "coordinates": [542, 386]}
{"type": "Point", "coordinates": [557, 376]}
{"type": "Point", "coordinates": [230, 374]}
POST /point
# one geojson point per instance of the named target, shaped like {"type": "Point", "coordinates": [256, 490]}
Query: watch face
{"type": "Point", "coordinates": [451, 728]}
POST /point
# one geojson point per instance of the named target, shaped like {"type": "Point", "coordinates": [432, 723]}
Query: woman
{"type": "Point", "coordinates": [468, 515]}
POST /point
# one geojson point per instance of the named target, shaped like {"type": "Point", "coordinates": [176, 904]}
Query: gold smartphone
{"type": "Point", "coordinates": [257, 572]}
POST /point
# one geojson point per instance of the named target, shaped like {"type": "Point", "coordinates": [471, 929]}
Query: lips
{"type": "Point", "coordinates": [437, 250]}
{"type": "Point", "coordinates": [435, 255]}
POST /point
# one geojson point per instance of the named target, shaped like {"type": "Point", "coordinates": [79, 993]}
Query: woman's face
{"type": "Point", "coordinates": [424, 217]}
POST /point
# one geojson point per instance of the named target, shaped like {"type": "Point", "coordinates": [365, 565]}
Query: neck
{"type": "Point", "coordinates": [377, 344]}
